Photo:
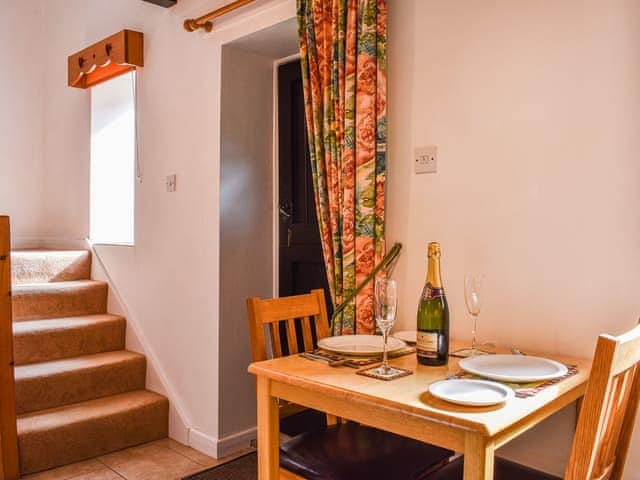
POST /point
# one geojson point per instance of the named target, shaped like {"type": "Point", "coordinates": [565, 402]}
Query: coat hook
{"type": "Point", "coordinates": [108, 48]}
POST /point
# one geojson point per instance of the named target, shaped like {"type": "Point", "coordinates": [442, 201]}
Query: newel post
{"type": "Point", "coordinates": [9, 464]}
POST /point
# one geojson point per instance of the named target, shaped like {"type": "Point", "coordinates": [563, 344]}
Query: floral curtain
{"type": "Point", "coordinates": [343, 57]}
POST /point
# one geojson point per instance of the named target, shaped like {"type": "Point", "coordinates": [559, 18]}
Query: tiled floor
{"type": "Point", "coordinates": [162, 460]}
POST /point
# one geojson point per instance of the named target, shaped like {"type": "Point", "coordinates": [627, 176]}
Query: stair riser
{"type": "Point", "coordinates": [69, 387]}
{"type": "Point", "coordinates": [85, 300]}
{"type": "Point", "coordinates": [54, 345]}
{"type": "Point", "coordinates": [50, 266]}
{"type": "Point", "coordinates": [45, 449]}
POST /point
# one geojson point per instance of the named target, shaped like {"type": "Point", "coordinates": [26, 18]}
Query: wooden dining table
{"type": "Point", "coordinates": [404, 406]}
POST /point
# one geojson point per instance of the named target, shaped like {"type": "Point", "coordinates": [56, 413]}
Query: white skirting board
{"type": "Point", "coordinates": [238, 441]}
{"type": "Point", "coordinates": [221, 447]}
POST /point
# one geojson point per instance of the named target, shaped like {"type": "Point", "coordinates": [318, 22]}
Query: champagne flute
{"type": "Point", "coordinates": [386, 301]}
{"type": "Point", "coordinates": [472, 297]}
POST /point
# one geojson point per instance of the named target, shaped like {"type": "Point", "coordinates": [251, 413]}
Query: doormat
{"type": "Point", "coordinates": [242, 468]}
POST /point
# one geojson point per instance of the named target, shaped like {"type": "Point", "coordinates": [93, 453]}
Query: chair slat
{"type": "Point", "coordinates": [604, 439]}
{"type": "Point", "coordinates": [306, 333]}
{"type": "Point", "coordinates": [619, 399]}
{"type": "Point", "coordinates": [292, 338]}
{"type": "Point", "coordinates": [276, 342]}
{"type": "Point", "coordinates": [322, 318]}
{"type": "Point", "coordinates": [628, 426]}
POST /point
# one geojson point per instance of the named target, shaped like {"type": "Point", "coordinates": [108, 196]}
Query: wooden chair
{"type": "Point", "coordinates": [606, 420]}
{"type": "Point", "coordinates": [275, 312]}
{"type": "Point", "coordinates": [342, 451]}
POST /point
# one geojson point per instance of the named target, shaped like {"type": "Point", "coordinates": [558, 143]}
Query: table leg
{"type": "Point", "coordinates": [268, 431]}
{"type": "Point", "coordinates": [478, 457]}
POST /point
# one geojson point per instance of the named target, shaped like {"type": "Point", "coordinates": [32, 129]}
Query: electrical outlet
{"type": "Point", "coordinates": [171, 182]}
{"type": "Point", "coordinates": [426, 159]}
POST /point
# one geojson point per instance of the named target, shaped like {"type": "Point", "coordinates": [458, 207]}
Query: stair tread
{"type": "Point", "coordinates": [32, 301]}
{"type": "Point", "coordinates": [50, 265]}
{"type": "Point", "coordinates": [85, 411]}
{"type": "Point", "coordinates": [41, 287]}
{"type": "Point", "coordinates": [50, 339]}
{"type": "Point", "coordinates": [28, 327]}
{"type": "Point", "coordinates": [74, 364]}
{"type": "Point", "coordinates": [48, 251]}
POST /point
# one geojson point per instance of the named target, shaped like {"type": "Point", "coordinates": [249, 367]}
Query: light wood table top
{"type": "Point", "coordinates": [405, 406]}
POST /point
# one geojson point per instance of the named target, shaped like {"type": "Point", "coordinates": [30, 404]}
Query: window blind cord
{"type": "Point", "coordinates": [134, 88]}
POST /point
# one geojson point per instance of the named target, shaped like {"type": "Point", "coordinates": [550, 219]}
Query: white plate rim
{"type": "Point", "coordinates": [561, 368]}
{"type": "Point", "coordinates": [407, 336]}
{"type": "Point", "coordinates": [508, 392]}
{"type": "Point", "coordinates": [325, 344]}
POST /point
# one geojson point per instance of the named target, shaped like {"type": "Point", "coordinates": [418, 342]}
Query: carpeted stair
{"type": "Point", "coordinates": [79, 393]}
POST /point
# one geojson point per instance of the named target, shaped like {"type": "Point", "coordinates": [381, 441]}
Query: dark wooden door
{"type": "Point", "coordinates": [301, 265]}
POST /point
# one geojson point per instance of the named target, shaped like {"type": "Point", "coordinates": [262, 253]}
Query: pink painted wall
{"type": "Point", "coordinates": [21, 122]}
{"type": "Point", "coordinates": [535, 109]}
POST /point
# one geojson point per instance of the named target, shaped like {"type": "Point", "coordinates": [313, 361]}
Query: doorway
{"type": "Point", "coordinates": [254, 233]}
{"type": "Point", "coordinates": [301, 265]}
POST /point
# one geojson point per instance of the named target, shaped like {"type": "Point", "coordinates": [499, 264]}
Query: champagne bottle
{"type": "Point", "coordinates": [432, 344]}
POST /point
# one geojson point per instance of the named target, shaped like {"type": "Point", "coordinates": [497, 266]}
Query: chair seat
{"type": "Point", "coordinates": [349, 451]}
{"type": "Point", "coordinates": [504, 470]}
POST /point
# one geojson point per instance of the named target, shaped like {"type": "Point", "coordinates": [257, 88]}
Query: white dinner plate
{"type": "Point", "coordinates": [359, 344]}
{"type": "Point", "coordinates": [476, 393]}
{"type": "Point", "coordinates": [513, 368]}
{"type": "Point", "coordinates": [408, 336]}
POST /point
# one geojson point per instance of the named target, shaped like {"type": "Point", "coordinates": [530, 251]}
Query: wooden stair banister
{"type": "Point", "coordinates": [9, 463]}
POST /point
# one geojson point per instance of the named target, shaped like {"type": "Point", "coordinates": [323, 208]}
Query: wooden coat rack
{"type": "Point", "coordinates": [120, 53]}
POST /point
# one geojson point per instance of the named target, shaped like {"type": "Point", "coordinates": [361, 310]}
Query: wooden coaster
{"type": "Point", "coordinates": [371, 372]}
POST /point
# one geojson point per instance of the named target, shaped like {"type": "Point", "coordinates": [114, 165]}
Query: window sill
{"type": "Point", "coordinates": [98, 243]}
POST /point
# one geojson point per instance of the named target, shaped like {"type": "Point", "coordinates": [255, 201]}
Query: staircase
{"type": "Point", "coordinates": [79, 393]}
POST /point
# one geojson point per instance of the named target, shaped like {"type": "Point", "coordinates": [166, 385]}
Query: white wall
{"type": "Point", "coordinates": [21, 122]}
{"type": "Point", "coordinates": [246, 215]}
{"type": "Point", "coordinates": [535, 108]}
{"type": "Point", "coordinates": [168, 282]}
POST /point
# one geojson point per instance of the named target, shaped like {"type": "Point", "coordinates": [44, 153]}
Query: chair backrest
{"type": "Point", "coordinates": [608, 412]}
{"type": "Point", "coordinates": [281, 315]}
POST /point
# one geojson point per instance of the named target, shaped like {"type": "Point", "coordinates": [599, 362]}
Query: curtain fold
{"type": "Point", "coordinates": [343, 58]}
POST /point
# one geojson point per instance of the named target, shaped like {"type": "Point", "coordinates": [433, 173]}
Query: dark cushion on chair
{"type": "Point", "coordinates": [350, 451]}
{"type": "Point", "coordinates": [504, 470]}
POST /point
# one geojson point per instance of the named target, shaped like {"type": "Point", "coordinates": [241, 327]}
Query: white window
{"type": "Point", "coordinates": [113, 161]}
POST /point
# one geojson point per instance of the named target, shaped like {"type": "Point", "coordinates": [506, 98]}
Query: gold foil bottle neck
{"type": "Point", "coordinates": [433, 250]}
{"type": "Point", "coordinates": [433, 265]}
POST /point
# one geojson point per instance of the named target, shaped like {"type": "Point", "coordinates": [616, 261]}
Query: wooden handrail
{"type": "Point", "coordinates": [193, 24]}
{"type": "Point", "coordinates": [9, 464]}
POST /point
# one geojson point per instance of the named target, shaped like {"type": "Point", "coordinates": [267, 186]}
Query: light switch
{"type": "Point", "coordinates": [171, 182]}
{"type": "Point", "coordinates": [426, 159]}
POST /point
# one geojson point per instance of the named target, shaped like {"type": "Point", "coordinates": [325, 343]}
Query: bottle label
{"type": "Point", "coordinates": [432, 292]}
{"type": "Point", "coordinates": [427, 344]}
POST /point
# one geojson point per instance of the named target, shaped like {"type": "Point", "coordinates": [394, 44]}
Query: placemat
{"type": "Point", "coordinates": [524, 390]}
{"type": "Point", "coordinates": [359, 362]}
